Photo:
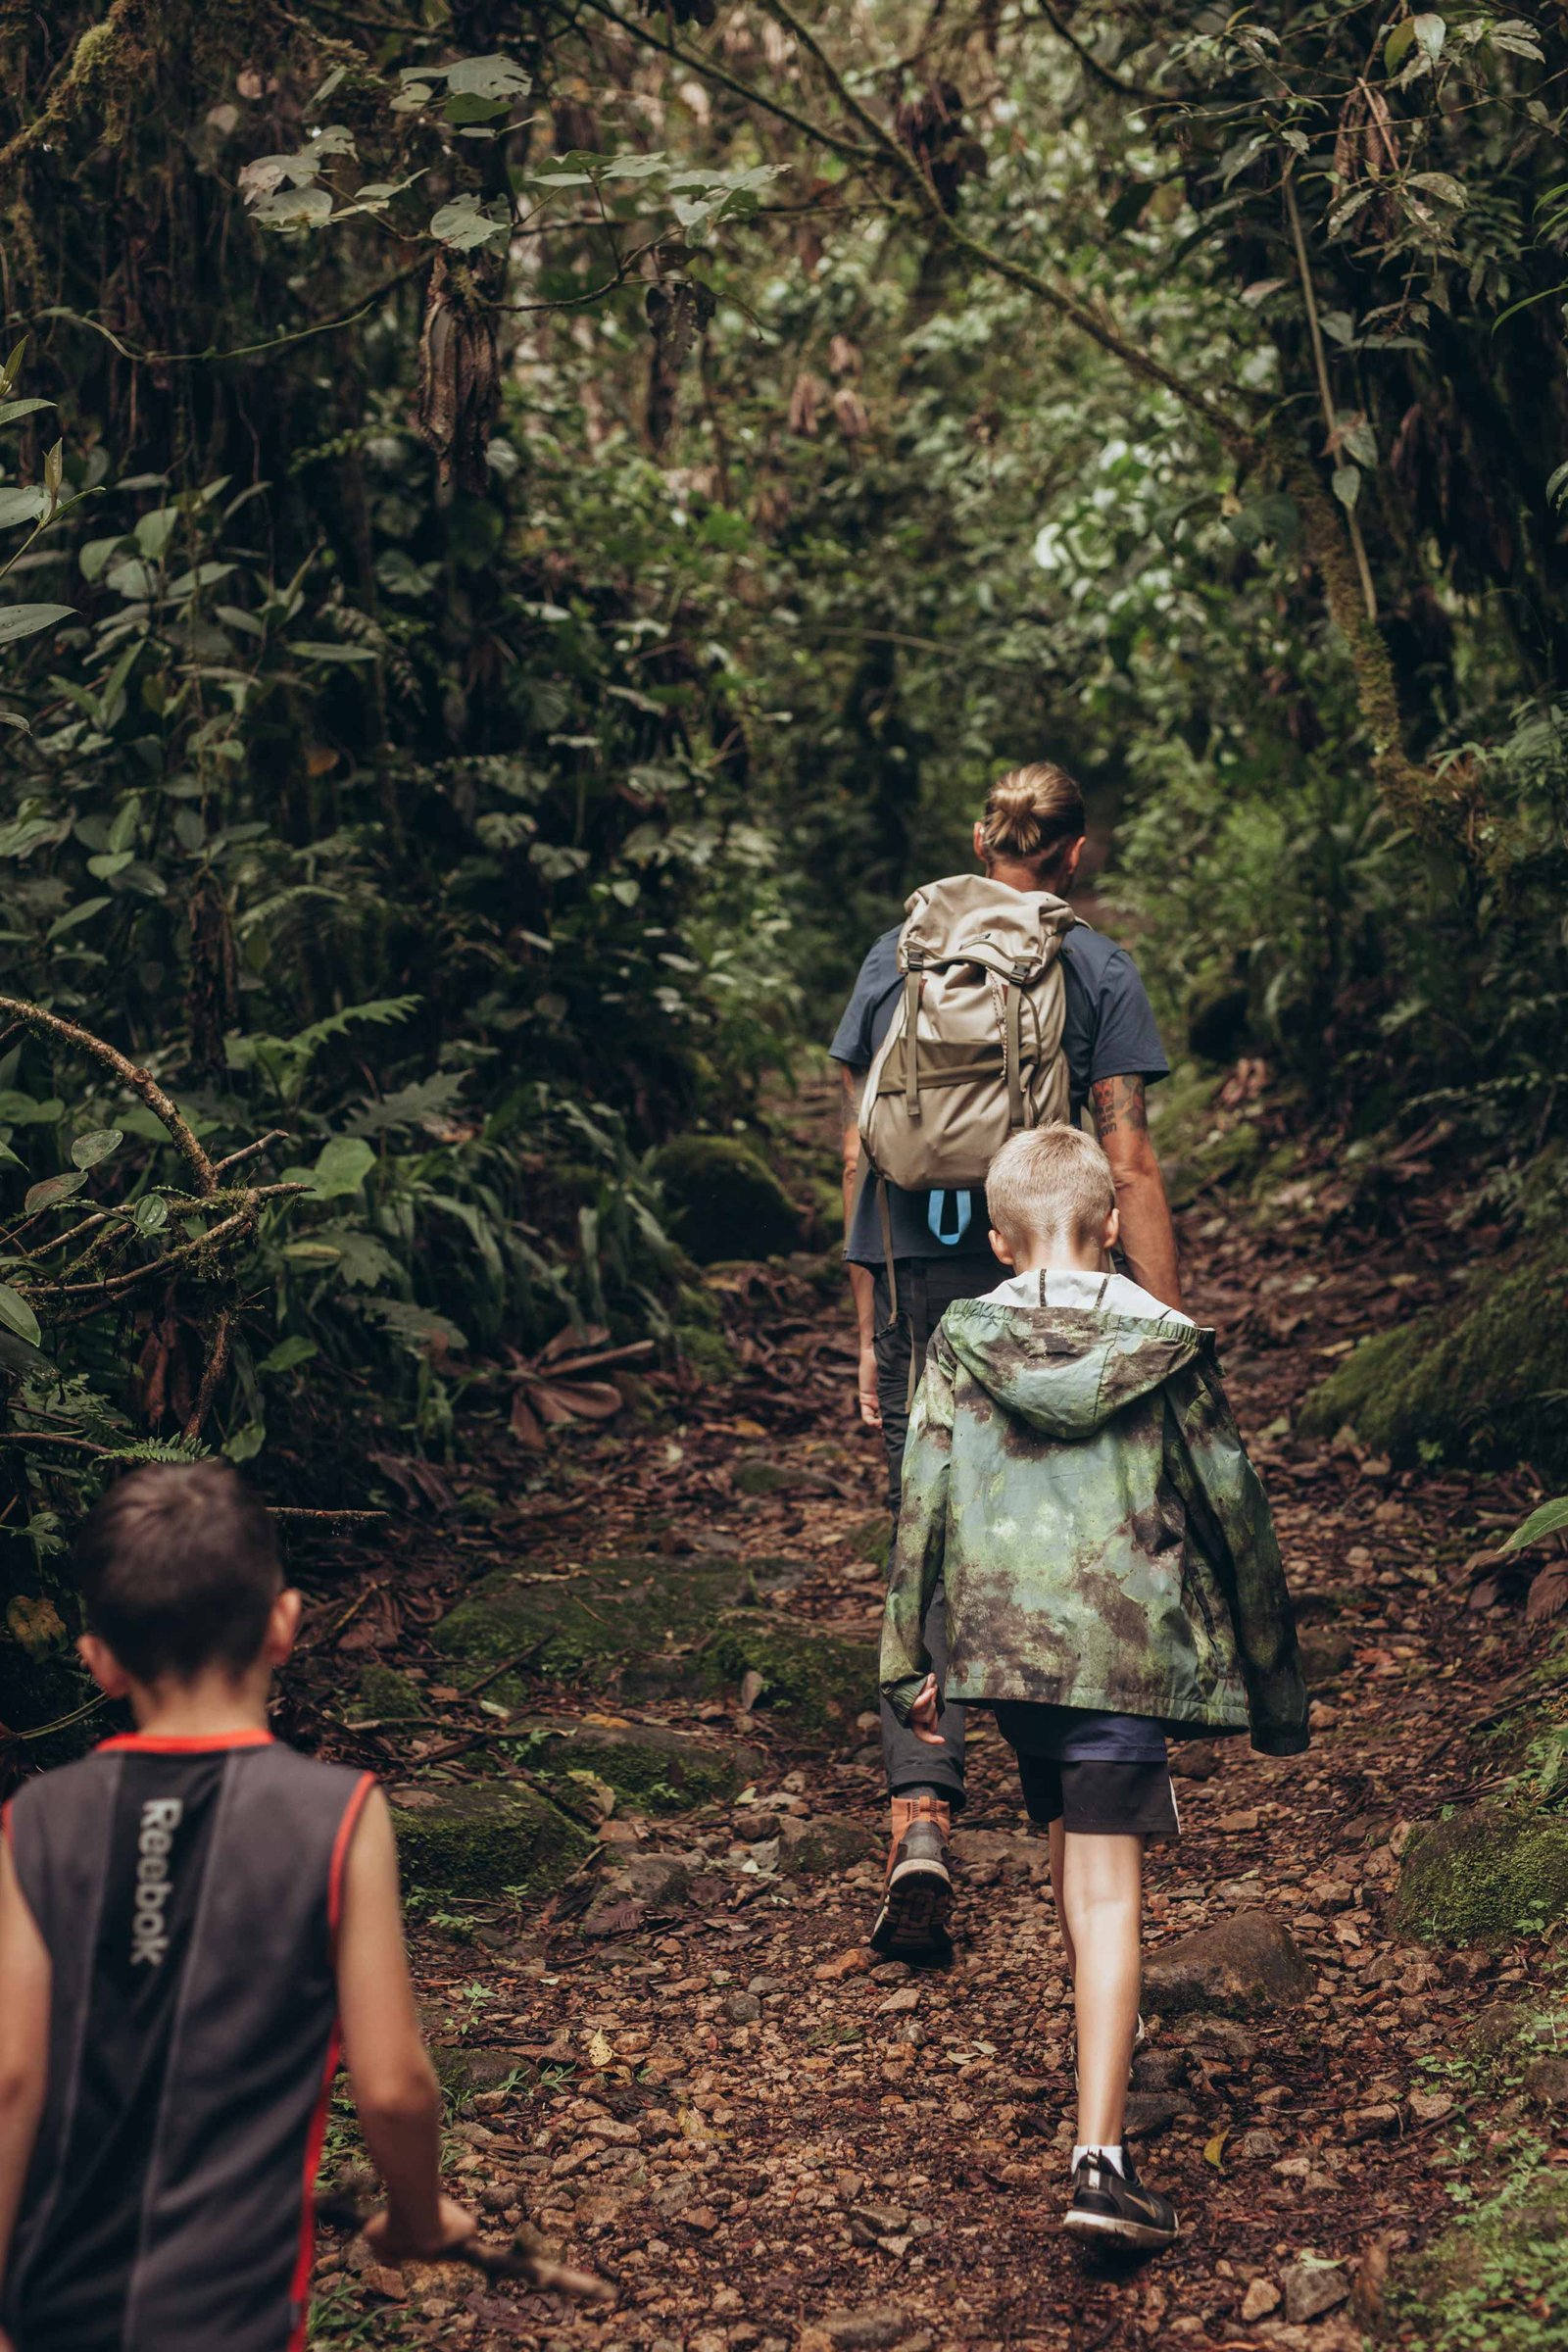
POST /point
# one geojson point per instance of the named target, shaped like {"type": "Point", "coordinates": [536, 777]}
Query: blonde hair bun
{"type": "Point", "coordinates": [1031, 815]}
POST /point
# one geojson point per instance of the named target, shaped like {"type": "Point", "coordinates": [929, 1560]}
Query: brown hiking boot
{"type": "Point", "coordinates": [912, 1923]}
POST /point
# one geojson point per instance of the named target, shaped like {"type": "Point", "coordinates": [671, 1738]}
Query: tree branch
{"type": "Point", "coordinates": [141, 1082]}
{"type": "Point", "coordinates": [716, 74]}
{"type": "Point", "coordinates": [101, 48]}
{"type": "Point", "coordinates": [1102, 73]}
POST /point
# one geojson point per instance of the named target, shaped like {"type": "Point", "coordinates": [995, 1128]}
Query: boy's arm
{"type": "Point", "coordinates": [1227, 1496]}
{"type": "Point", "coordinates": [921, 1537]}
{"type": "Point", "coordinates": [390, 2074]}
{"type": "Point", "coordinates": [25, 1979]}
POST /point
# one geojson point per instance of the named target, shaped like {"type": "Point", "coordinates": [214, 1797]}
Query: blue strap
{"type": "Point", "coordinates": [936, 1217]}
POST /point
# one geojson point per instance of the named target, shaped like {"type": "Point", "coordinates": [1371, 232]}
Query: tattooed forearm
{"type": "Point", "coordinates": [1119, 1106]}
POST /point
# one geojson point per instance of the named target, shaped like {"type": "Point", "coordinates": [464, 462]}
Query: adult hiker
{"type": "Point", "coordinates": [1039, 1017]}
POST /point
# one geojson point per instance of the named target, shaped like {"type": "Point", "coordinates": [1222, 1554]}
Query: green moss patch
{"type": "Point", "coordinates": [1496, 2280]}
{"type": "Point", "coordinates": [649, 1766]}
{"type": "Point", "coordinates": [723, 1202]}
{"type": "Point", "coordinates": [1224, 1154]}
{"type": "Point", "coordinates": [818, 1681]}
{"type": "Point", "coordinates": [383, 1696]}
{"type": "Point", "coordinates": [635, 1618]}
{"type": "Point", "coordinates": [484, 1839]}
{"type": "Point", "coordinates": [1484, 1876]}
{"type": "Point", "coordinates": [1478, 1377]}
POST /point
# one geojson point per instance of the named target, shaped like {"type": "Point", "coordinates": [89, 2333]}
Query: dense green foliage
{"type": "Point", "coordinates": [529, 531]}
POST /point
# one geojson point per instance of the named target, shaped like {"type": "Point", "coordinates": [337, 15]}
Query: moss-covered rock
{"type": "Point", "coordinates": [483, 1838]}
{"type": "Point", "coordinates": [647, 1764]}
{"type": "Point", "coordinates": [818, 1681]}
{"type": "Point", "coordinates": [1478, 1377]}
{"type": "Point", "coordinates": [1482, 1876]}
{"type": "Point", "coordinates": [383, 1696]}
{"type": "Point", "coordinates": [724, 1201]}
{"type": "Point", "coordinates": [636, 1618]}
{"type": "Point", "coordinates": [1497, 2278]}
{"type": "Point", "coordinates": [824, 1844]}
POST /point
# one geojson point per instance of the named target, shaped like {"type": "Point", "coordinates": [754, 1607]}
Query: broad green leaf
{"type": "Point", "coordinates": [1547, 1519]}
{"type": "Point", "coordinates": [1398, 45]}
{"type": "Point", "coordinates": [153, 531]}
{"type": "Point", "coordinates": [24, 621]}
{"type": "Point", "coordinates": [1516, 38]}
{"type": "Point", "coordinates": [77, 915]}
{"type": "Point", "coordinates": [321, 652]}
{"type": "Point", "coordinates": [12, 410]}
{"type": "Point", "coordinates": [1356, 435]}
{"type": "Point", "coordinates": [342, 1167]}
{"type": "Point", "coordinates": [95, 554]}
{"type": "Point", "coordinates": [17, 1314]}
{"type": "Point", "coordinates": [464, 226]}
{"type": "Point", "coordinates": [294, 208]}
{"type": "Point", "coordinates": [22, 506]}
{"type": "Point", "coordinates": [53, 1191]}
{"type": "Point", "coordinates": [288, 1354]}
{"type": "Point", "coordinates": [1441, 184]}
{"type": "Point", "coordinates": [1347, 485]}
{"type": "Point", "coordinates": [313, 1253]}
{"type": "Point", "coordinates": [1430, 31]}
{"type": "Point", "coordinates": [488, 78]}
{"type": "Point", "coordinates": [23, 1110]}
{"type": "Point", "coordinates": [96, 1145]}
{"type": "Point", "coordinates": [151, 1213]}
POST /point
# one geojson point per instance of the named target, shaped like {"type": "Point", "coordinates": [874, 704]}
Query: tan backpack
{"type": "Point", "coordinates": [973, 1050]}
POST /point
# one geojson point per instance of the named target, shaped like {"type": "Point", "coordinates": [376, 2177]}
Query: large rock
{"type": "Point", "coordinates": [825, 1843]}
{"type": "Point", "coordinates": [485, 1837]}
{"type": "Point", "coordinates": [1245, 1965]}
{"type": "Point", "coordinates": [1479, 1376]}
{"type": "Point", "coordinates": [640, 1618]}
{"type": "Point", "coordinates": [651, 1766]}
{"type": "Point", "coordinates": [1484, 1876]}
{"type": "Point", "coordinates": [723, 1202]}
{"type": "Point", "coordinates": [818, 1683]}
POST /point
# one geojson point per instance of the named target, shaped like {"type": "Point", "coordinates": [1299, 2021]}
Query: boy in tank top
{"type": "Point", "coordinates": [194, 1923]}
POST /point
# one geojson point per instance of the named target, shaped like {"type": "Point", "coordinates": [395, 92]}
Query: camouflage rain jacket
{"type": "Point", "coordinates": [1077, 1481]}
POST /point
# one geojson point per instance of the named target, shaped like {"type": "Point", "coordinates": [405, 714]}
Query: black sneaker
{"type": "Point", "coordinates": [918, 1899]}
{"type": "Point", "coordinates": [1109, 2206]}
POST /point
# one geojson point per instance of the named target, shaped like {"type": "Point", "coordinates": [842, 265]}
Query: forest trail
{"type": "Point", "coordinates": [714, 2094]}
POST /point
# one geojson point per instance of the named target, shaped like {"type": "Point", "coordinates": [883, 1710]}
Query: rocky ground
{"type": "Point", "coordinates": [620, 1701]}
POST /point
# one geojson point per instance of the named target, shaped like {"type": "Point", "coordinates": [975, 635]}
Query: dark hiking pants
{"type": "Point", "coordinates": [926, 1286]}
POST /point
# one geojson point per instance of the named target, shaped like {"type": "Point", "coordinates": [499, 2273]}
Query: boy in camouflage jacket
{"type": "Point", "coordinates": [1075, 1478]}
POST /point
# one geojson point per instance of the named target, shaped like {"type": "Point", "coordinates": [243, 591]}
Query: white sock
{"type": "Point", "coordinates": [1111, 2156]}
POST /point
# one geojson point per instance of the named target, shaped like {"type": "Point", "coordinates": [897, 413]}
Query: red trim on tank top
{"type": "Point", "coordinates": [316, 2136]}
{"type": "Point", "coordinates": [170, 1743]}
{"type": "Point", "coordinates": [340, 1851]}
{"type": "Point", "coordinates": [300, 2292]}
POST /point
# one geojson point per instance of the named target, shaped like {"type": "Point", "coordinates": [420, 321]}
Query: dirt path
{"type": "Point", "coordinates": [772, 2142]}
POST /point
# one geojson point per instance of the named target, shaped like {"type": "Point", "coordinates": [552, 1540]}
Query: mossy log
{"type": "Point", "coordinates": [647, 1764]}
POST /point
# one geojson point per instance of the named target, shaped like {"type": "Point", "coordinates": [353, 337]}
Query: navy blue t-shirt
{"type": "Point", "coordinates": [1109, 1032]}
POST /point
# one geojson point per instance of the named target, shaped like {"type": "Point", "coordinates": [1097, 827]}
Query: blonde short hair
{"type": "Point", "coordinates": [1046, 1181]}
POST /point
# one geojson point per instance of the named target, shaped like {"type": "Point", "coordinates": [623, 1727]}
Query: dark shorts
{"type": "Point", "coordinates": [1100, 1799]}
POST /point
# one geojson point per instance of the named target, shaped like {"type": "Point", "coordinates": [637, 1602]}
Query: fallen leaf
{"type": "Point", "coordinates": [600, 2049]}
{"type": "Point", "coordinates": [1215, 2150]}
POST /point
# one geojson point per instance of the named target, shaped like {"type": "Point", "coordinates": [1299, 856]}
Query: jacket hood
{"type": "Point", "coordinates": [1065, 1370]}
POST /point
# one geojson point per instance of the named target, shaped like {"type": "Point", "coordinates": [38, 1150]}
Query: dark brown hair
{"type": "Point", "coordinates": [1033, 815]}
{"type": "Point", "coordinates": [177, 1568]}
